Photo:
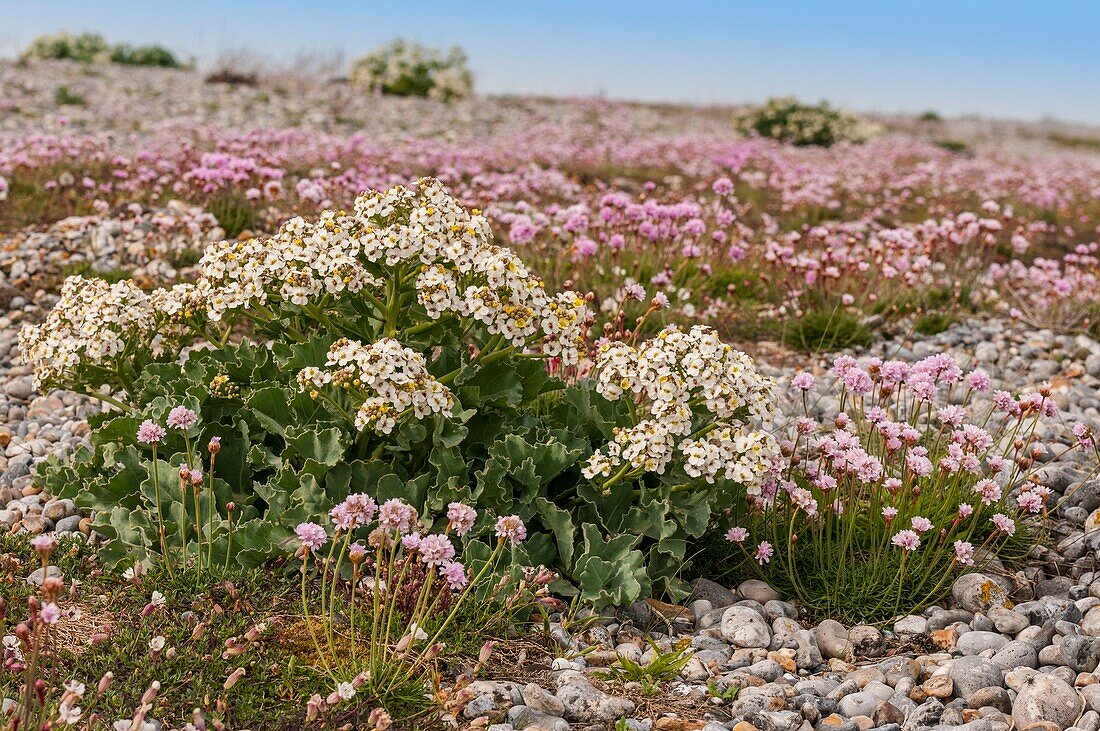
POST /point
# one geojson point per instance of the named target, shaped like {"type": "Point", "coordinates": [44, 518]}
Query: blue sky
{"type": "Point", "coordinates": [1024, 60]}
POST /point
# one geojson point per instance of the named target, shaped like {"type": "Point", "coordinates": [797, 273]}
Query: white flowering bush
{"type": "Point", "coordinates": [394, 350]}
{"type": "Point", "coordinates": [404, 68]}
{"type": "Point", "coordinates": [789, 120]}
{"type": "Point", "coordinates": [926, 472]}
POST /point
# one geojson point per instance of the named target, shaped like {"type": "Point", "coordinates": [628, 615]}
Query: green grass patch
{"type": "Point", "coordinates": [934, 323]}
{"type": "Point", "coordinates": [63, 96]}
{"type": "Point", "coordinates": [820, 330]}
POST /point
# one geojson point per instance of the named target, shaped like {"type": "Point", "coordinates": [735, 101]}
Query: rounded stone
{"type": "Point", "coordinates": [744, 627]}
{"type": "Point", "coordinates": [1044, 697]}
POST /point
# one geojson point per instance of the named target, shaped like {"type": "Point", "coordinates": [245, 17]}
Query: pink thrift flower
{"type": "Point", "coordinates": [965, 511]}
{"type": "Point", "coordinates": [311, 535]}
{"type": "Point", "coordinates": [436, 549]}
{"type": "Point", "coordinates": [455, 574]}
{"type": "Point", "coordinates": [462, 518]}
{"type": "Point", "coordinates": [737, 534]}
{"type": "Point", "coordinates": [803, 381]}
{"type": "Point", "coordinates": [964, 553]}
{"type": "Point", "coordinates": [1004, 524]}
{"type": "Point", "coordinates": [50, 613]}
{"type": "Point", "coordinates": [182, 418]}
{"type": "Point", "coordinates": [979, 380]}
{"type": "Point", "coordinates": [397, 515]}
{"type": "Point", "coordinates": [764, 552]}
{"type": "Point", "coordinates": [906, 540]}
{"type": "Point", "coordinates": [512, 528]}
{"type": "Point", "coordinates": [150, 432]}
{"type": "Point", "coordinates": [921, 524]}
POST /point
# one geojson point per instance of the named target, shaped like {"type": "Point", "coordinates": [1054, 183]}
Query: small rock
{"type": "Point", "coordinates": [744, 627]}
{"type": "Point", "coordinates": [1046, 698]}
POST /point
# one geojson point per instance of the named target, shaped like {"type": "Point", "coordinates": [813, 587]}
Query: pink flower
{"type": "Point", "coordinates": [50, 613]}
{"type": "Point", "coordinates": [43, 544]}
{"type": "Point", "coordinates": [411, 541]}
{"type": "Point", "coordinates": [979, 380]}
{"type": "Point", "coordinates": [764, 552]}
{"type": "Point", "coordinates": [512, 528]}
{"type": "Point", "coordinates": [358, 509]}
{"type": "Point", "coordinates": [182, 418]}
{"type": "Point", "coordinates": [906, 540]}
{"type": "Point", "coordinates": [1030, 501]}
{"type": "Point", "coordinates": [436, 549]}
{"type": "Point", "coordinates": [889, 513]}
{"type": "Point", "coordinates": [311, 535]}
{"type": "Point", "coordinates": [462, 518]}
{"type": "Point", "coordinates": [965, 511]}
{"type": "Point", "coordinates": [964, 553]}
{"type": "Point", "coordinates": [397, 515]}
{"type": "Point", "coordinates": [803, 381]}
{"type": "Point", "coordinates": [1004, 524]}
{"type": "Point", "coordinates": [737, 534]}
{"type": "Point", "coordinates": [357, 552]}
{"type": "Point", "coordinates": [1083, 434]}
{"type": "Point", "coordinates": [921, 524]}
{"type": "Point", "coordinates": [989, 490]}
{"type": "Point", "coordinates": [150, 432]}
{"type": "Point", "coordinates": [455, 574]}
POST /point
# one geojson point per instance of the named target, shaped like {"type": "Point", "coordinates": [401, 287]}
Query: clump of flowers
{"type": "Point", "coordinates": [793, 122]}
{"type": "Point", "coordinates": [695, 399]}
{"type": "Point", "coordinates": [1048, 292]}
{"type": "Point", "coordinates": [90, 333]}
{"type": "Point", "coordinates": [387, 589]}
{"type": "Point", "coordinates": [405, 68]}
{"type": "Point", "coordinates": [391, 381]}
{"type": "Point", "coordinates": [922, 473]}
{"type": "Point", "coordinates": [28, 670]}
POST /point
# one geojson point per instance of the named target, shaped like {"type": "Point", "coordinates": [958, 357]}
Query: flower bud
{"type": "Point", "coordinates": [233, 678]}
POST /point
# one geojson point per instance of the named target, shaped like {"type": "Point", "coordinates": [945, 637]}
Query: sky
{"type": "Point", "coordinates": [1023, 60]}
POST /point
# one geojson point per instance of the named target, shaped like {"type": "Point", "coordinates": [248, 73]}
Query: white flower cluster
{"type": "Point", "coordinates": [691, 387]}
{"type": "Point", "coordinates": [461, 272]}
{"type": "Point", "coordinates": [301, 262]}
{"type": "Point", "coordinates": [90, 326]}
{"type": "Point", "coordinates": [395, 379]}
{"type": "Point", "coordinates": [390, 243]}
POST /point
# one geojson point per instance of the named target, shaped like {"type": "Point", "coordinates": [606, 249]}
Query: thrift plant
{"type": "Point", "coordinates": [924, 474]}
{"type": "Point", "coordinates": [383, 606]}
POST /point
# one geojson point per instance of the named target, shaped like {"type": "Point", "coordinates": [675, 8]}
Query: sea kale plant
{"type": "Point", "coordinates": [404, 68]}
{"type": "Point", "coordinates": [393, 350]}
{"type": "Point", "coordinates": [925, 472]}
{"type": "Point", "coordinates": [789, 120]}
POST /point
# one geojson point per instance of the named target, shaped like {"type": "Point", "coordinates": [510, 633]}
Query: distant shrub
{"type": "Point", "coordinates": [93, 48]}
{"type": "Point", "coordinates": [229, 76]}
{"type": "Point", "coordinates": [930, 116]}
{"type": "Point", "coordinates": [144, 56]}
{"type": "Point", "coordinates": [952, 145]}
{"type": "Point", "coordinates": [793, 122]}
{"type": "Point", "coordinates": [404, 68]}
{"type": "Point", "coordinates": [86, 47]}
